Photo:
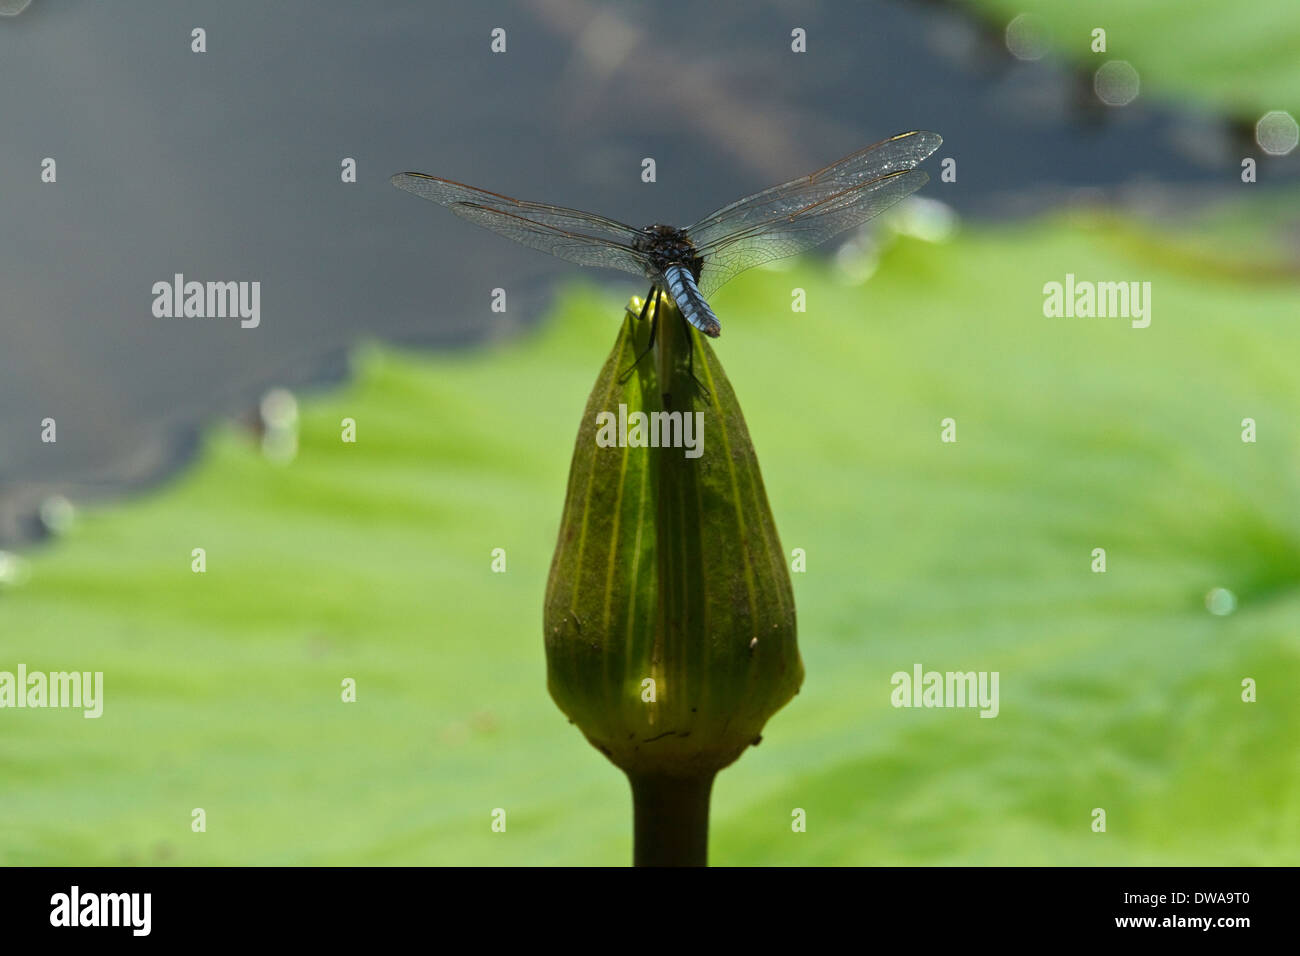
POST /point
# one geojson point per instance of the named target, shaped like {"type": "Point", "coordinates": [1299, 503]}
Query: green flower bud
{"type": "Point", "coordinates": [669, 621]}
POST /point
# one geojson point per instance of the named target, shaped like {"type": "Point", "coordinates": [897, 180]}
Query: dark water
{"type": "Point", "coordinates": [225, 165]}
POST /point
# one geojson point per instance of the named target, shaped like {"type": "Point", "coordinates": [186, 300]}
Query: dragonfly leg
{"type": "Point", "coordinates": [690, 364]}
{"type": "Point", "coordinates": [654, 325]}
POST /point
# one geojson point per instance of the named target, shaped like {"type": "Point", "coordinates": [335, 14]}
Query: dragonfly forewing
{"type": "Point", "coordinates": [788, 235]}
{"type": "Point", "coordinates": [581, 237]}
{"type": "Point", "coordinates": [896, 154]}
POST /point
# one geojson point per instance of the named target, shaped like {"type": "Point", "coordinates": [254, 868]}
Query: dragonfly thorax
{"type": "Point", "coordinates": [668, 245]}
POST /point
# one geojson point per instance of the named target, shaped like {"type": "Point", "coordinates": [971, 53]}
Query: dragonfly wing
{"type": "Point", "coordinates": [812, 225]}
{"type": "Point", "coordinates": [896, 154]}
{"type": "Point", "coordinates": [571, 234]}
{"type": "Point", "coordinates": [575, 247]}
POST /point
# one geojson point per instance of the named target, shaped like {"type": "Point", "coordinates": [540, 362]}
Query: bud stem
{"type": "Point", "coordinates": [672, 819]}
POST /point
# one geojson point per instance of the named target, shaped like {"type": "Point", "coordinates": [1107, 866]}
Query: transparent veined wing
{"type": "Point", "coordinates": [811, 225]}
{"type": "Point", "coordinates": [581, 237]}
{"type": "Point", "coordinates": [787, 219]}
{"type": "Point", "coordinates": [898, 153]}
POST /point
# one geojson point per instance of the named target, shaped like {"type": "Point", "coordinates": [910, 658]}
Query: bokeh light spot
{"type": "Point", "coordinates": [1027, 37]}
{"type": "Point", "coordinates": [1277, 132]}
{"type": "Point", "coordinates": [1117, 83]}
{"type": "Point", "coordinates": [1220, 602]}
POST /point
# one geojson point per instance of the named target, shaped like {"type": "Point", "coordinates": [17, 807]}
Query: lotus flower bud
{"type": "Point", "coordinates": [669, 620]}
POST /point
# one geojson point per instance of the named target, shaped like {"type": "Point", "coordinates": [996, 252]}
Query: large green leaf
{"type": "Point", "coordinates": [373, 561]}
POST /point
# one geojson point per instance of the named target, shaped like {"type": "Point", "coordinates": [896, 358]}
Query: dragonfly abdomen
{"type": "Point", "coordinates": [687, 295]}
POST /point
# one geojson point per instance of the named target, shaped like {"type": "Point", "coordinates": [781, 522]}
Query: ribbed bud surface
{"type": "Point", "coordinates": [669, 620]}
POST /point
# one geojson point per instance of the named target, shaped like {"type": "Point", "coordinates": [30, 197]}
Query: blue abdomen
{"type": "Point", "coordinates": [687, 295]}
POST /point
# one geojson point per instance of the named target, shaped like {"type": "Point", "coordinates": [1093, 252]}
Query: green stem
{"type": "Point", "coordinates": [672, 820]}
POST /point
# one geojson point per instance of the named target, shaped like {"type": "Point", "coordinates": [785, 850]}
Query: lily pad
{"type": "Point", "coordinates": [373, 561]}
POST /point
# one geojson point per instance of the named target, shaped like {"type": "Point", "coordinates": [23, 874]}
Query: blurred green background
{"type": "Point", "coordinates": [1238, 61]}
{"type": "Point", "coordinates": [372, 561]}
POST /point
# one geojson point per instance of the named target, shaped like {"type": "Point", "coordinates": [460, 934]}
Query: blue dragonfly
{"type": "Point", "coordinates": [692, 263]}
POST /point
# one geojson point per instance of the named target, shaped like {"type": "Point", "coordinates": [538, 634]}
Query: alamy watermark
{"type": "Point", "coordinates": [179, 299]}
{"type": "Point", "coordinates": [652, 430]}
{"type": "Point", "coordinates": [1104, 300]}
{"type": "Point", "coordinates": [923, 688]}
{"type": "Point", "coordinates": [75, 908]}
{"type": "Point", "coordinates": [83, 689]}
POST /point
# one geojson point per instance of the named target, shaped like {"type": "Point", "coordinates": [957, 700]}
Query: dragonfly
{"type": "Point", "coordinates": [693, 262]}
